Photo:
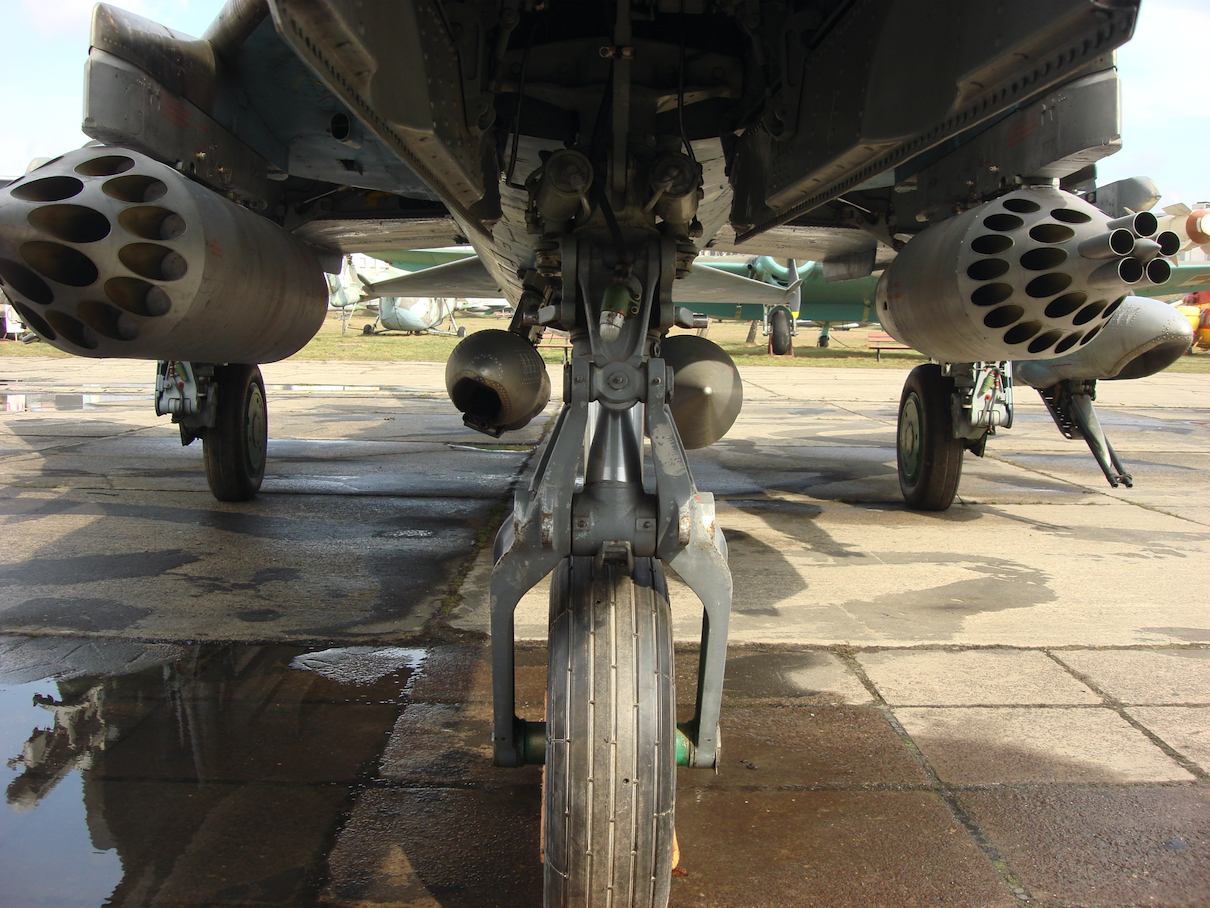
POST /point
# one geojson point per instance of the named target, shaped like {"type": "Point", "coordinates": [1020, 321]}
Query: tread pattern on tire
{"type": "Point", "coordinates": [223, 447]}
{"type": "Point", "coordinates": [780, 342]}
{"type": "Point", "coordinates": [941, 467]}
{"type": "Point", "coordinates": [611, 738]}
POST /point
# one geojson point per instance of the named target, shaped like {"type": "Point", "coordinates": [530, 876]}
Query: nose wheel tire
{"type": "Point", "coordinates": [929, 457]}
{"type": "Point", "coordinates": [610, 777]}
{"type": "Point", "coordinates": [780, 343]}
{"type": "Point", "coordinates": [236, 448]}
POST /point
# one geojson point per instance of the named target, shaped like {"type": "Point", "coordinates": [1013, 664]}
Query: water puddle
{"type": "Point", "coordinates": [488, 448]}
{"type": "Point", "coordinates": [32, 403]}
{"type": "Point", "coordinates": [140, 774]}
{"type": "Point", "coordinates": [36, 402]}
{"type": "Point", "coordinates": [357, 389]}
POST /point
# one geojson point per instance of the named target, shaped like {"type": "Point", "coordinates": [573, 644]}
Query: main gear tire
{"type": "Point", "coordinates": [236, 448]}
{"type": "Point", "coordinates": [780, 339]}
{"type": "Point", "coordinates": [929, 458]}
{"type": "Point", "coordinates": [610, 777]}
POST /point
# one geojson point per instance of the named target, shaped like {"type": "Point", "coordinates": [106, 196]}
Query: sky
{"type": "Point", "coordinates": [1166, 117]}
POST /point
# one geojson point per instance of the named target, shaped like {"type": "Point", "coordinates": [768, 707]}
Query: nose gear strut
{"type": "Point", "coordinates": [613, 519]}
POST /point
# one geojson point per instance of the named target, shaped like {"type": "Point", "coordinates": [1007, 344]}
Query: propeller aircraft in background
{"type": "Point", "coordinates": [352, 289]}
{"type": "Point", "coordinates": [748, 288]}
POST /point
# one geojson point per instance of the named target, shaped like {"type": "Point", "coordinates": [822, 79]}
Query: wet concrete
{"type": "Point", "coordinates": [239, 775]}
{"type": "Point", "coordinates": [208, 775]}
{"type": "Point", "coordinates": [288, 702]}
{"type": "Point", "coordinates": [373, 499]}
{"type": "Point", "coordinates": [1038, 550]}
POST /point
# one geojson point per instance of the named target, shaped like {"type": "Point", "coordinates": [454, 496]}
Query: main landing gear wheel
{"type": "Point", "coordinates": [611, 737]}
{"type": "Point", "coordinates": [780, 343]}
{"type": "Point", "coordinates": [929, 457]}
{"type": "Point", "coordinates": [235, 449]}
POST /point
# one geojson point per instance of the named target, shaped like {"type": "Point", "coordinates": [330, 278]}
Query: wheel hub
{"type": "Point", "coordinates": [911, 449]}
{"type": "Point", "coordinates": [257, 434]}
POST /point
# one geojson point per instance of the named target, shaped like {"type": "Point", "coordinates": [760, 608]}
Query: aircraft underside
{"type": "Point", "coordinates": [589, 151]}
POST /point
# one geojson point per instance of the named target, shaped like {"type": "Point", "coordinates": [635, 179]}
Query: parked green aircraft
{"type": "Point", "coordinates": [778, 293]}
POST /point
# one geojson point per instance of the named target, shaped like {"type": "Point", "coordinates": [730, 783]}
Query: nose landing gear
{"type": "Point", "coordinates": [610, 742]}
{"type": "Point", "coordinates": [611, 735]}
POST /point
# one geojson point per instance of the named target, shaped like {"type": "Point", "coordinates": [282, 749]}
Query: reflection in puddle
{"type": "Point", "coordinates": [359, 664]}
{"type": "Point", "coordinates": [358, 389]}
{"type": "Point", "coordinates": [31, 403]}
{"type": "Point", "coordinates": [185, 775]}
{"type": "Point", "coordinates": [87, 866]}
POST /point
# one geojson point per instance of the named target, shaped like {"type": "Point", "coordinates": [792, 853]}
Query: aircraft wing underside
{"type": "Point", "coordinates": [465, 278]}
{"type": "Point", "coordinates": [376, 236]}
{"type": "Point", "coordinates": [808, 243]}
{"type": "Point", "coordinates": [470, 278]}
{"type": "Point", "coordinates": [764, 183]}
{"type": "Point", "coordinates": [381, 127]}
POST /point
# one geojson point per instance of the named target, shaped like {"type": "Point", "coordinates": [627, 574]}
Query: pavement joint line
{"type": "Point", "coordinates": [1158, 510]}
{"type": "Point", "coordinates": [964, 647]}
{"type": "Point", "coordinates": [859, 414]}
{"type": "Point", "coordinates": [749, 383]}
{"type": "Point", "coordinates": [404, 785]}
{"type": "Point", "coordinates": [1120, 708]}
{"type": "Point", "coordinates": [1091, 490]}
{"type": "Point", "coordinates": [1000, 458]}
{"type": "Point", "coordinates": [948, 796]}
{"type": "Point", "coordinates": [487, 533]}
{"type": "Point", "coordinates": [17, 456]}
{"type": "Point", "coordinates": [1038, 706]}
{"type": "Point", "coordinates": [364, 638]}
{"type": "Point", "coordinates": [967, 788]}
{"type": "Point", "coordinates": [418, 636]}
{"type": "Point", "coordinates": [355, 782]}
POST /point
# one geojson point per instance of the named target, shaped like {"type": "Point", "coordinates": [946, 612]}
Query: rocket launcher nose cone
{"type": "Point", "coordinates": [707, 393]}
{"type": "Point", "coordinates": [497, 380]}
{"type": "Point", "coordinates": [1142, 337]}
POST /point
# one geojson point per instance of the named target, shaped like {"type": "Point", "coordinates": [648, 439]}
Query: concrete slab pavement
{"type": "Point", "coordinates": [1006, 704]}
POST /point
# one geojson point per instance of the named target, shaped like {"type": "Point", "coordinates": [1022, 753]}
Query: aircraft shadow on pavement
{"type": "Point", "coordinates": [326, 566]}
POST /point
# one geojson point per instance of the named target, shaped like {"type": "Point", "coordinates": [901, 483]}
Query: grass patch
{"type": "Point", "coordinates": [847, 349]}
{"type": "Point", "coordinates": [16, 348]}
{"type": "Point", "coordinates": [483, 538]}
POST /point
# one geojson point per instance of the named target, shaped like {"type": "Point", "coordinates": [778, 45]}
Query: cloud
{"type": "Point", "coordinates": [1161, 67]}
{"type": "Point", "coordinates": [44, 45]}
{"type": "Point", "coordinates": [60, 18]}
{"type": "Point", "coordinates": [1165, 120]}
